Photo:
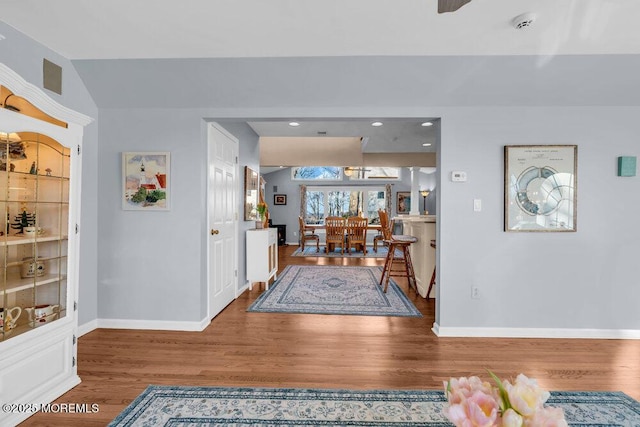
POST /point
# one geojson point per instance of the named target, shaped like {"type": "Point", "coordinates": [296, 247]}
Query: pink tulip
{"type": "Point", "coordinates": [525, 396]}
{"type": "Point", "coordinates": [547, 417]}
{"type": "Point", "coordinates": [474, 403]}
{"type": "Point", "coordinates": [461, 388]}
{"type": "Point", "coordinates": [478, 410]}
{"type": "Point", "coordinates": [511, 418]}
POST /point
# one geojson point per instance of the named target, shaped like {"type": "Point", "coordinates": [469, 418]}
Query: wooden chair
{"type": "Point", "coordinates": [357, 233]}
{"type": "Point", "coordinates": [398, 265]}
{"type": "Point", "coordinates": [335, 227]}
{"type": "Point", "coordinates": [307, 233]}
{"type": "Point", "coordinates": [378, 238]}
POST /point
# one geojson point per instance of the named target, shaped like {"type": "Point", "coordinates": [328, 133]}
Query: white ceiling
{"type": "Point", "coordinates": [111, 29]}
{"type": "Point", "coordinates": [130, 29]}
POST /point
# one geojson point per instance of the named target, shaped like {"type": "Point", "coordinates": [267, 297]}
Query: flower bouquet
{"type": "Point", "coordinates": [262, 208]}
{"type": "Point", "coordinates": [474, 403]}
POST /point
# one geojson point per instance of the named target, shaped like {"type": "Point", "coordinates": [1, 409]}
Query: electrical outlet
{"type": "Point", "coordinates": [475, 292]}
{"type": "Point", "coordinates": [295, 234]}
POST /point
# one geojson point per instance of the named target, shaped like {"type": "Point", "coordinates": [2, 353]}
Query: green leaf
{"type": "Point", "coordinates": [503, 392]}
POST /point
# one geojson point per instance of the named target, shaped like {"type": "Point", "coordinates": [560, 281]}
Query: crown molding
{"type": "Point", "coordinates": [37, 97]}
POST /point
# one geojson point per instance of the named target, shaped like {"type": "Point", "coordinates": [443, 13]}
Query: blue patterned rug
{"type": "Point", "coordinates": [334, 290]}
{"type": "Point", "coordinates": [209, 406]}
{"type": "Point", "coordinates": [310, 250]}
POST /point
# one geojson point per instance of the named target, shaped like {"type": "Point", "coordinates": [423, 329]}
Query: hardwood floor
{"type": "Point", "coordinates": [319, 351]}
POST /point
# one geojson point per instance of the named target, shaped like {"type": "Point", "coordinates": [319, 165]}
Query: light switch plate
{"type": "Point", "coordinates": [477, 205]}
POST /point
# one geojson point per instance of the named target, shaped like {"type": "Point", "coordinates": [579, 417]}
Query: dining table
{"type": "Point", "coordinates": [322, 227]}
{"type": "Point", "coordinates": [315, 227]}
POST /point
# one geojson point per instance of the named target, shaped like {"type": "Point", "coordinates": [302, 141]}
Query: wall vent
{"type": "Point", "coordinates": [52, 76]}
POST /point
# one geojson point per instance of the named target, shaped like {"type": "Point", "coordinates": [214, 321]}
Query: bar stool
{"type": "Point", "coordinates": [433, 275]}
{"type": "Point", "coordinates": [397, 266]}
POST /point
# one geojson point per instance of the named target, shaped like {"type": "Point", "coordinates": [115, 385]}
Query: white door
{"type": "Point", "coordinates": [222, 218]}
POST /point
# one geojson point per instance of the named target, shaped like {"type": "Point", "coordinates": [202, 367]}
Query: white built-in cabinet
{"type": "Point", "coordinates": [40, 147]}
{"type": "Point", "coordinates": [262, 255]}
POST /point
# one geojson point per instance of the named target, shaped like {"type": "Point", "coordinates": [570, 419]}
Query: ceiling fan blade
{"type": "Point", "coordinates": [445, 6]}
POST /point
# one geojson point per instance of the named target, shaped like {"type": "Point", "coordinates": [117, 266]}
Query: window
{"type": "Point", "coordinates": [315, 207]}
{"type": "Point", "coordinates": [368, 173]}
{"type": "Point", "coordinates": [327, 173]}
{"type": "Point", "coordinates": [344, 201]}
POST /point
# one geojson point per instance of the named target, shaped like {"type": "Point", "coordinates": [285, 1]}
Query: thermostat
{"type": "Point", "coordinates": [458, 176]}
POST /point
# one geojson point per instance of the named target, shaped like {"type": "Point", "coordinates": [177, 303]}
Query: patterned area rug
{"type": "Point", "coordinates": [209, 406]}
{"type": "Point", "coordinates": [310, 250]}
{"type": "Point", "coordinates": [334, 290]}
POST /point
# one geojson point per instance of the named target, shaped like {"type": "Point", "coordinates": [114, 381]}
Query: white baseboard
{"type": "Point", "coordinates": [85, 328]}
{"type": "Point", "coordinates": [160, 325]}
{"type": "Point", "coordinates": [535, 333]}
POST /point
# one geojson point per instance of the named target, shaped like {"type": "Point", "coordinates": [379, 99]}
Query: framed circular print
{"type": "Point", "coordinates": [540, 187]}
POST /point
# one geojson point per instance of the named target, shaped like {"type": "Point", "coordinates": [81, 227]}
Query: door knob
{"type": "Point", "coordinates": [213, 232]}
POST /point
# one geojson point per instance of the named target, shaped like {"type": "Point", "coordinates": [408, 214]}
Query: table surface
{"type": "Point", "coordinates": [322, 226]}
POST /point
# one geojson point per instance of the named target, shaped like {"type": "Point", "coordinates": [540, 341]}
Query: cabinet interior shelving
{"type": "Point", "coordinates": [34, 200]}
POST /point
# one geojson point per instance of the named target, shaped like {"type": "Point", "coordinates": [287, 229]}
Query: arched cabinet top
{"type": "Point", "coordinates": [37, 98]}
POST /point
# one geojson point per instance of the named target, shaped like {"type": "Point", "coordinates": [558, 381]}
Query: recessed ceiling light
{"type": "Point", "coordinates": [426, 144]}
{"type": "Point", "coordinates": [376, 124]}
{"type": "Point", "coordinates": [425, 124]}
{"type": "Point", "coordinates": [294, 124]}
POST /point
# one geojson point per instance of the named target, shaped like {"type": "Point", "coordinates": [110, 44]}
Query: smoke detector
{"type": "Point", "coordinates": [523, 21]}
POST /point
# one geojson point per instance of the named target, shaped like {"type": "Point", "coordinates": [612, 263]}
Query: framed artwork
{"type": "Point", "coordinates": [279, 199]}
{"type": "Point", "coordinates": [403, 204]}
{"type": "Point", "coordinates": [540, 187]}
{"type": "Point", "coordinates": [251, 188]}
{"type": "Point", "coordinates": [145, 181]}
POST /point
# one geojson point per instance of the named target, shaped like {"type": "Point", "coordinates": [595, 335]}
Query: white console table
{"type": "Point", "coordinates": [422, 254]}
{"type": "Point", "coordinates": [262, 255]}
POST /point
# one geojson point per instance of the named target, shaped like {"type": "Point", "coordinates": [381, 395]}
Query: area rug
{"type": "Point", "coordinates": [217, 406]}
{"type": "Point", "coordinates": [334, 290]}
{"type": "Point", "coordinates": [310, 251]}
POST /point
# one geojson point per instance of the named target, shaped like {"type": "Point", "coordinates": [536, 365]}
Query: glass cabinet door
{"type": "Point", "coordinates": [34, 199]}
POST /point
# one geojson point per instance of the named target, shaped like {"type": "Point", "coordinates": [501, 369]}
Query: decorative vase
{"type": "Point", "coordinates": [259, 225]}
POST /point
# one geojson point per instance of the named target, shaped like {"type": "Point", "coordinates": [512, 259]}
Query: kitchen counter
{"type": "Point", "coordinates": [423, 256]}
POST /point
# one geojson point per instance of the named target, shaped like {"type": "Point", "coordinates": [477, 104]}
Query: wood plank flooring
{"type": "Point", "coordinates": [319, 351]}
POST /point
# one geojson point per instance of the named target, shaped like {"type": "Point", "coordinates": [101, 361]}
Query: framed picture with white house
{"type": "Point", "coordinates": [540, 187]}
{"type": "Point", "coordinates": [145, 181]}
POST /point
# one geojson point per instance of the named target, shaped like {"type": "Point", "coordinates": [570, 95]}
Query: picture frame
{"type": "Point", "coordinates": [403, 202]}
{"type": "Point", "coordinates": [540, 188]}
{"type": "Point", "coordinates": [279, 199]}
{"type": "Point", "coordinates": [146, 179]}
{"type": "Point", "coordinates": [251, 194]}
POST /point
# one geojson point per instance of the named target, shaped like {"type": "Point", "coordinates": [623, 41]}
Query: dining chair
{"type": "Point", "coordinates": [398, 261]}
{"type": "Point", "coordinates": [379, 237]}
{"type": "Point", "coordinates": [335, 227]}
{"type": "Point", "coordinates": [307, 233]}
{"type": "Point", "coordinates": [357, 234]}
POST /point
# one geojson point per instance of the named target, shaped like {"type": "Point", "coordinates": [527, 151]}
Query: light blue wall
{"type": "Point", "coordinates": [24, 56]}
{"type": "Point", "coordinates": [526, 280]}
{"type": "Point", "coordinates": [587, 279]}
{"type": "Point", "coordinates": [153, 264]}
{"type": "Point", "coordinates": [150, 265]}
